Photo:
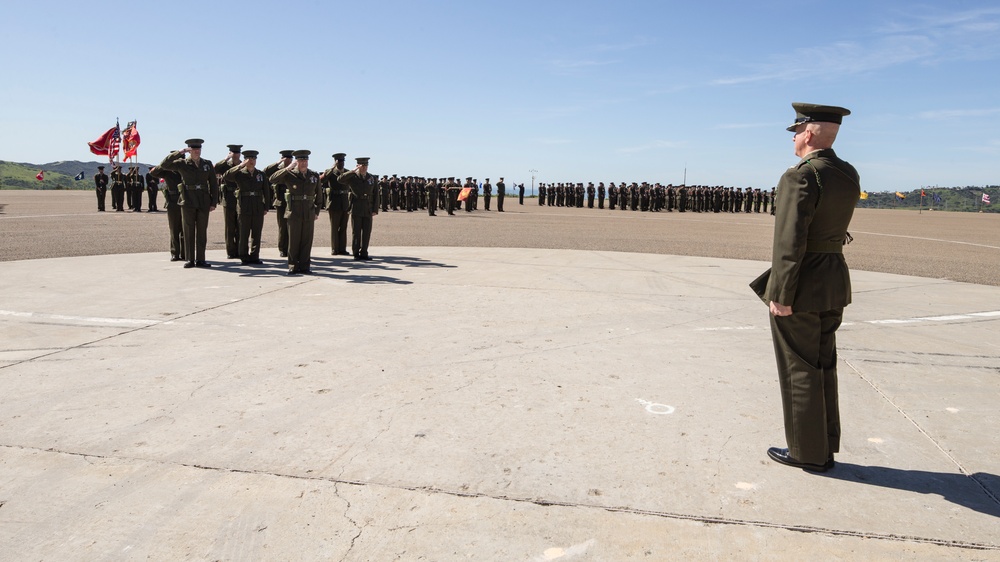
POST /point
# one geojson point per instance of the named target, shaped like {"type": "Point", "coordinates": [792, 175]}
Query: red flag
{"type": "Point", "coordinates": [464, 194]}
{"type": "Point", "coordinates": [40, 176]}
{"type": "Point", "coordinates": [131, 136]}
{"type": "Point", "coordinates": [922, 194]}
{"type": "Point", "coordinates": [107, 144]}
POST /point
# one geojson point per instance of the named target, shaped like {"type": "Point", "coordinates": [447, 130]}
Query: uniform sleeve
{"type": "Point", "coordinates": [230, 174]}
{"type": "Point", "coordinates": [796, 205]}
{"type": "Point", "coordinates": [172, 161]}
{"type": "Point", "coordinates": [346, 177]}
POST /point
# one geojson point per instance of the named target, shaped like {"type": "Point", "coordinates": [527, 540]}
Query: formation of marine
{"type": "Point", "coordinates": [193, 187]}
{"type": "Point", "coordinates": [657, 197]}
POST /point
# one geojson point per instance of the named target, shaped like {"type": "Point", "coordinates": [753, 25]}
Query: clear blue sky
{"type": "Point", "coordinates": [578, 90]}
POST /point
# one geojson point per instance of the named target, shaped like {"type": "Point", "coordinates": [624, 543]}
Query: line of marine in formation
{"type": "Point", "coordinates": [657, 197]}
{"type": "Point", "coordinates": [193, 187]}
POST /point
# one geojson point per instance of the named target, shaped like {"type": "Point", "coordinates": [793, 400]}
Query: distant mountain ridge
{"type": "Point", "coordinates": [58, 175]}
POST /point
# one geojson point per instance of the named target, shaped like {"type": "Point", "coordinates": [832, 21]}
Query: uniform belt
{"type": "Point", "coordinates": [196, 186]}
{"type": "Point", "coordinates": [299, 197]}
{"type": "Point", "coordinates": [825, 246]}
{"type": "Point", "coordinates": [248, 193]}
{"type": "Point", "coordinates": [339, 192]}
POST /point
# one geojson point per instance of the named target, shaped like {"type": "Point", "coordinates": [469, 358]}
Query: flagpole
{"type": "Point", "coordinates": [920, 210]}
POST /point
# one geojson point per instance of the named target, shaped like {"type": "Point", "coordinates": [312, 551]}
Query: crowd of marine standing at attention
{"type": "Point", "coordinates": [193, 187]}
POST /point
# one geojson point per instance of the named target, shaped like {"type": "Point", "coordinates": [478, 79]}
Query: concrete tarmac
{"type": "Point", "coordinates": [478, 403]}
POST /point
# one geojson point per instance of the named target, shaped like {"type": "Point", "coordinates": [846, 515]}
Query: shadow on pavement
{"type": "Point", "coordinates": [966, 491]}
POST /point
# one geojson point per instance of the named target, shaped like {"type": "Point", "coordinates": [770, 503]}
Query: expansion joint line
{"type": "Point", "coordinates": [923, 432]}
{"type": "Point", "coordinates": [151, 325]}
{"type": "Point", "coordinates": [707, 519]}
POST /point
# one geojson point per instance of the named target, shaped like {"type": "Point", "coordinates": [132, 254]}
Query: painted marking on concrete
{"type": "Point", "coordinates": [884, 322]}
{"type": "Point", "coordinates": [745, 486]}
{"type": "Point", "coordinates": [82, 319]}
{"type": "Point", "coordinates": [952, 410]}
{"type": "Point", "coordinates": [929, 239]}
{"type": "Point", "coordinates": [654, 408]}
{"type": "Point", "coordinates": [875, 440]}
{"type": "Point", "coordinates": [557, 553]}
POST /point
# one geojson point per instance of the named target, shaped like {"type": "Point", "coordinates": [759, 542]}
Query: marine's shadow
{"type": "Point", "coordinates": [978, 492]}
{"type": "Point", "coordinates": [342, 268]}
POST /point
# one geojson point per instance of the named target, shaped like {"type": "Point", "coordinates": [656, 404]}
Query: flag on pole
{"type": "Point", "coordinates": [40, 176]}
{"type": "Point", "coordinates": [986, 199]}
{"type": "Point", "coordinates": [864, 195]}
{"type": "Point", "coordinates": [131, 136]}
{"type": "Point", "coordinates": [900, 195]}
{"type": "Point", "coordinates": [923, 193]}
{"type": "Point", "coordinates": [464, 194]}
{"type": "Point", "coordinates": [78, 177]}
{"type": "Point", "coordinates": [937, 198]}
{"type": "Point", "coordinates": [107, 144]}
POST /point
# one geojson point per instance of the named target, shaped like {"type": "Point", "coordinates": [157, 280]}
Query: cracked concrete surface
{"type": "Point", "coordinates": [448, 403]}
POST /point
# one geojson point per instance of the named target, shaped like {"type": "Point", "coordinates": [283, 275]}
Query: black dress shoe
{"type": "Point", "coordinates": [203, 264]}
{"type": "Point", "coordinates": [188, 264]}
{"type": "Point", "coordinates": [357, 257]}
{"type": "Point", "coordinates": [292, 272]}
{"type": "Point", "coordinates": [283, 254]}
{"type": "Point", "coordinates": [782, 456]}
{"type": "Point", "coordinates": [256, 262]}
{"type": "Point", "coordinates": [175, 258]}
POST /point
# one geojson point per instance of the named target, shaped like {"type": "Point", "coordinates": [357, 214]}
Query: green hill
{"type": "Point", "coordinates": [58, 175]}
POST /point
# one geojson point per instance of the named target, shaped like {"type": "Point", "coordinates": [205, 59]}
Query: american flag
{"type": "Point", "coordinates": [116, 143]}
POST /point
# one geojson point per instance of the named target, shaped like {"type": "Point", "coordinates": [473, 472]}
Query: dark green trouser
{"type": "Point", "coordinates": [175, 226]}
{"type": "Point", "coordinates": [338, 231]}
{"type": "Point", "coordinates": [195, 233]}
{"type": "Point", "coordinates": [301, 225]}
{"type": "Point", "coordinates": [250, 220]}
{"type": "Point", "coordinates": [282, 229]}
{"type": "Point", "coordinates": [805, 347]}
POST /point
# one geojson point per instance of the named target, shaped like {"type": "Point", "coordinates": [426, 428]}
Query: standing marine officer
{"type": "Point", "coordinates": [101, 186]}
{"type": "Point", "coordinates": [809, 286]}
{"type": "Point", "coordinates": [171, 193]}
{"type": "Point", "coordinates": [301, 209]}
{"type": "Point", "coordinates": [253, 195]}
{"type": "Point", "coordinates": [199, 195]}
{"type": "Point", "coordinates": [501, 193]}
{"type": "Point", "coordinates": [278, 204]}
{"type": "Point", "coordinates": [364, 205]}
{"type": "Point", "coordinates": [229, 201]}
{"type": "Point", "coordinates": [338, 204]}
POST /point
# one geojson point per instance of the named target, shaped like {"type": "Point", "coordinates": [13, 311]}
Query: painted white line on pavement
{"type": "Point", "coordinates": [81, 319]}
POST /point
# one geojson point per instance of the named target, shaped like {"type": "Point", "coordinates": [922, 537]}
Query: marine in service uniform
{"type": "Point", "coordinates": [135, 184]}
{"type": "Point", "coordinates": [364, 205]}
{"type": "Point", "coordinates": [432, 197]}
{"type": "Point", "coordinates": [809, 285]}
{"type": "Point", "coordinates": [171, 192]}
{"type": "Point", "coordinates": [253, 196]}
{"type": "Point", "coordinates": [230, 203]}
{"type": "Point", "coordinates": [487, 193]}
{"type": "Point", "coordinates": [152, 190]}
{"type": "Point", "coordinates": [278, 203]}
{"type": "Point", "coordinates": [501, 193]}
{"type": "Point", "coordinates": [198, 196]}
{"type": "Point", "coordinates": [338, 205]}
{"type": "Point", "coordinates": [101, 187]}
{"type": "Point", "coordinates": [117, 188]}
{"type": "Point", "coordinates": [302, 198]}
